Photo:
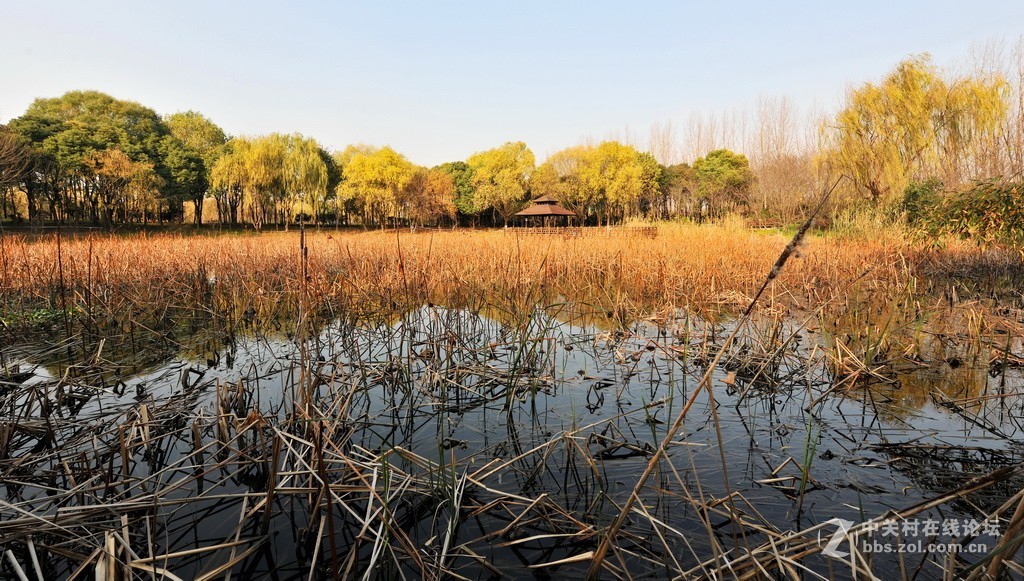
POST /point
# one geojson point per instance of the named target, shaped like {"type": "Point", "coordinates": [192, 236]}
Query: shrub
{"type": "Point", "coordinates": [920, 199]}
{"type": "Point", "coordinates": [989, 212]}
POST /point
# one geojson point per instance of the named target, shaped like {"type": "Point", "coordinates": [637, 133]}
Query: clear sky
{"type": "Point", "coordinates": [441, 80]}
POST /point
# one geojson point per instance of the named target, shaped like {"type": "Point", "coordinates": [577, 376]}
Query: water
{"type": "Point", "coordinates": [444, 406]}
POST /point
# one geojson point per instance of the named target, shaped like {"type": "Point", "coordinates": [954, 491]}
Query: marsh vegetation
{"type": "Point", "coordinates": [474, 404]}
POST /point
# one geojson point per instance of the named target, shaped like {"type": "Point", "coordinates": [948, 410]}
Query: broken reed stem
{"type": "Point", "coordinates": [705, 382]}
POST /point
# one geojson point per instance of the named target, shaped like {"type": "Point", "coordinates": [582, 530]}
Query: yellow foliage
{"type": "Point", "coordinates": [913, 125]}
{"type": "Point", "coordinates": [609, 178]}
{"type": "Point", "coordinates": [501, 177]}
{"type": "Point", "coordinates": [377, 177]}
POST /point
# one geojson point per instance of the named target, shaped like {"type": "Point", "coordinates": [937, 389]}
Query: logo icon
{"type": "Point", "coordinates": [832, 548]}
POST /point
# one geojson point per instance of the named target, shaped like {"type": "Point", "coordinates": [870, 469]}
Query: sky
{"type": "Point", "coordinates": [441, 80]}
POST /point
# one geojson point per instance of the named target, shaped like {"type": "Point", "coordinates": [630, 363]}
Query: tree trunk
{"type": "Point", "coordinates": [198, 203]}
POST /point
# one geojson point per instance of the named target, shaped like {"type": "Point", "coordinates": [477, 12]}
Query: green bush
{"type": "Point", "coordinates": [989, 212]}
{"type": "Point", "coordinates": [920, 199]}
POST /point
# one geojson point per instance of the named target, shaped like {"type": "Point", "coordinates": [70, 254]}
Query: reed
{"type": "Point", "coordinates": [320, 390]}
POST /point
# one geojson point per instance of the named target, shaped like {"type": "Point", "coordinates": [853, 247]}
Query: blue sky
{"type": "Point", "coordinates": [441, 80]}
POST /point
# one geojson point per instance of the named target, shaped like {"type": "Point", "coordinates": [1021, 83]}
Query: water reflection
{"type": "Point", "coordinates": [531, 407]}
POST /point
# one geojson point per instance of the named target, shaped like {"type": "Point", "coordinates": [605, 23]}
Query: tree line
{"type": "Point", "coordinates": [89, 157]}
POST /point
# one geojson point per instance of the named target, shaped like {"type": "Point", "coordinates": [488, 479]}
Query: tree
{"type": "Point", "coordinates": [723, 178]}
{"type": "Point", "coordinates": [114, 176]}
{"type": "Point", "coordinates": [15, 157]}
{"type": "Point", "coordinates": [676, 186]}
{"type": "Point", "coordinates": [333, 181]}
{"type": "Point", "coordinates": [912, 126]}
{"type": "Point", "coordinates": [465, 192]}
{"type": "Point", "coordinates": [606, 181]}
{"type": "Point", "coordinates": [345, 202]}
{"type": "Point", "coordinates": [270, 176]}
{"type": "Point", "coordinates": [376, 178]}
{"type": "Point", "coordinates": [264, 167]}
{"type": "Point", "coordinates": [204, 140]}
{"type": "Point", "coordinates": [15, 163]}
{"type": "Point", "coordinates": [305, 172]}
{"type": "Point", "coordinates": [622, 176]}
{"type": "Point", "coordinates": [231, 179]}
{"type": "Point", "coordinates": [430, 196]}
{"type": "Point", "coordinates": [68, 131]}
{"type": "Point", "coordinates": [185, 172]}
{"type": "Point", "coordinates": [563, 177]}
{"type": "Point", "coordinates": [501, 177]}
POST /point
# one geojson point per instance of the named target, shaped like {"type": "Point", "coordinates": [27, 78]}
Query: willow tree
{"type": "Point", "coordinates": [376, 178]}
{"type": "Point", "coordinates": [230, 179]}
{"type": "Point", "coordinates": [501, 177]}
{"type": "Point", "coordinates": [265, 167]}
{"type": "Point", "coordinates": [305, 174]}
{"type": "Point", "coordinates": [270, 176]}
{"type": "Point", "coordinates": [913, 125]}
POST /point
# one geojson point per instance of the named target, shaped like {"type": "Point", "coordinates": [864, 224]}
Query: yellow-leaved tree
{"type": "Point", "coordinates": [269, 176]}
{"type": "Point", "coordinates": [501, 177]}
{"type": "Point", "coordinates": [376, 178]}
{"type": "Point", "coordinates": [611, 180]}
{"type": "Point", "coordinates": [563, 177]}
{"type": "Point", "coordinates": [229, 179]}
{"type": "Point", "coordinates": [914, 125]}
{"type": "Point", "coordinates": [304, 174]}
{"type": "Point", "coordinates": [115, 179]}
{"type": "Point", "coordinates": [624, 175]}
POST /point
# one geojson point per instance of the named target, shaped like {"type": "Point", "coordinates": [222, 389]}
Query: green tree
{"type": "Point", "coordinates": [676, 185]}
{"type": "Point", "coordinates": [465, 192]}
{"type": "Point", "coordinates": [723, 178]}
{"type": "Point", "coordinates": [501, 177]}
{"type": "Point", "coordinates": [333, 181]}
{"type": "Point", "coordinates": [68, 131]}
{"type": "Point", "coordinates": [203, 139]}
{"type": "Point", "coordinates": [185, 172]}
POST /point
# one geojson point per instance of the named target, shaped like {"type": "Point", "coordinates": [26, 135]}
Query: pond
{"type": "Point", "coordinates": [453, 443]}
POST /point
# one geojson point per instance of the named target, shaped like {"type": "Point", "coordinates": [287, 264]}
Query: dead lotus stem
{"type": "Point", "coordinates": [703, 384]}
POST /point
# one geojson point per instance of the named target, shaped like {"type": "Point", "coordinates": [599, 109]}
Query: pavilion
{"type": "Point", "coordinates": [545, 211]}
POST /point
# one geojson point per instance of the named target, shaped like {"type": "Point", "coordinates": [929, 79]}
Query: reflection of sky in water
{"type": "Point", "coordinates": [437, 381]}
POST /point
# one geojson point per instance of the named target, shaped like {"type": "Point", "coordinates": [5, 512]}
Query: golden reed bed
{"type": "Point", "coordinates": [703, 268]}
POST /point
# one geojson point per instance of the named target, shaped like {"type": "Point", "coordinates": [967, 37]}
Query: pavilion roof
{"type": "Point", "coordinates": [546, 208]}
